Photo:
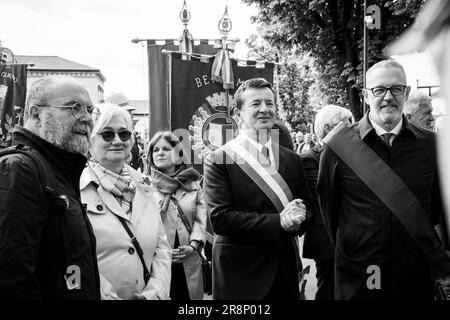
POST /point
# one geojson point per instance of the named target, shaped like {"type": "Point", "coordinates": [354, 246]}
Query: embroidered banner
{"type": "Point", "coordinates": [198, 112]}
{"type": "Point", "coordinates": [159, 78]}
{"type": "Point", "coordinates": [13, 87]}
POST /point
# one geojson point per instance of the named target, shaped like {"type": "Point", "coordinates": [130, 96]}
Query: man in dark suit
{"type": "Point", "coordinates": [376, 256]}
{"type": "Point", "coordinates": [254, 190]}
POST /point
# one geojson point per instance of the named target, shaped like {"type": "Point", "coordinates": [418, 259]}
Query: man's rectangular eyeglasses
{"type": "Point", "coordinates": [381, 91]}
{"type": "Point", "coordinates": [78, 110]}
{"type": "Point", "coordinates": [109, 135]}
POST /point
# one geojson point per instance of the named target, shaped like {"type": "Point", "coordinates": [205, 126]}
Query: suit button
{"type": "Point", "coordinates": [99, 207]}
{"type": "Point", "coordinates": [131, 250]}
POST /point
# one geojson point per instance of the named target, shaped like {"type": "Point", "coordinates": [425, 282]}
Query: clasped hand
{"type": "Point", "coordinates": [293, 215]}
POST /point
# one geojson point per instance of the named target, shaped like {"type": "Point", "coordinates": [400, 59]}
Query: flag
{"type": "Point", "coordinates": [204, 47]}
{"type": "Point", "coordinates": [158, 72]}
{"type": "Point", "coordinates": [13, 87]}
{"type": "Point", "coordinates": [158, 87]}
{"type": "Point", "coordinates": [199, 113]}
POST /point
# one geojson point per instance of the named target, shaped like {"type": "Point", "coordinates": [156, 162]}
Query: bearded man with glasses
{"type": "Point", "coordinates": [47, 244]}
{"type": "Point", "coordinates": [380, 199]}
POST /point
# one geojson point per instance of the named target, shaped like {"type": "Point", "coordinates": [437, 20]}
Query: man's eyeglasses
{"type": "Point", "coordinates": [109, 135]}
{"type": "Point", "coordinates": [78, 110]}
{"type": "Point", "coordinates": [381, 91]}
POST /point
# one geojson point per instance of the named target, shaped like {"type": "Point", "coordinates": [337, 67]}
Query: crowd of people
{"type": "Point", "coordinates": [82, 218]}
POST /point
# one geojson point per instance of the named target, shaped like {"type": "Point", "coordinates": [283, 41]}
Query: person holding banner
{"type": "Point", "coordinates": [183, 213]}
{"type": "Point", "coordinates": [255, 192]}
{"type": "Point", "coordinates": [380, 199]}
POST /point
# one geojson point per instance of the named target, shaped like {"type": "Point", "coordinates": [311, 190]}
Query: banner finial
{"type": "Point", "coordinates": [185, 15]}
{"type": "Point", "coordinates": [225, 24]}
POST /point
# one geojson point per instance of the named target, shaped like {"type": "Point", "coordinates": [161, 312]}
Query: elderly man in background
{"type": "Point", "coordinates": [317, 244]}
{"type": "Point", "coordinates": [47, 245]}
{"type": "Point", "coordinates": [418, 110]}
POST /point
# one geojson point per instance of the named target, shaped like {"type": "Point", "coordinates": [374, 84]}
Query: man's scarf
{"type": "Point", "coordinates": [168, 184]}
{"type": "Point", "coordinates": [121, 186]}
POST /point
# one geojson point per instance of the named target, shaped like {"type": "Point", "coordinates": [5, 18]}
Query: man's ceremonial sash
{"type": "Point", "coordinates": [385, 183]}
{"type": "Point", "coordinates": [258, 168]}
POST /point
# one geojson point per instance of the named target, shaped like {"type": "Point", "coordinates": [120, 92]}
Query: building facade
{"type": "Point", "coordinates": [41, 66]}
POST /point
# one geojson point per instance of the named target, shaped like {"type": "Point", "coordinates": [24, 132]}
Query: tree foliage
{"type": "Point", "coordinates": [332, 32]}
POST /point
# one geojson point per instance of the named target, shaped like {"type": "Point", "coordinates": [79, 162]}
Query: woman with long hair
{"type": "Point", "coordinates": [183, 213]}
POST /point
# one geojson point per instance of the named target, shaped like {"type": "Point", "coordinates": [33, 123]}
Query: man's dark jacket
{"type": "Point", "coordinates": [45, 234]}
{"type": "Point", "coordinates": [365, 232]}
{"type": "Point", "coordinates": [250, 246]}
{"type": "Point", "coordinates": [317, 243]}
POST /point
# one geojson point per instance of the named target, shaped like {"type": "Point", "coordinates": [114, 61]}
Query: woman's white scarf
{"type": "Point", "coordinates": [121, 186]}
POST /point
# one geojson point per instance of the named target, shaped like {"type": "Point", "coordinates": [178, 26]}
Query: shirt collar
{"type": "Point", "coordinates": [380, 131]}
{"type": "Point", "coordinates": [366, 126]}
{"type": "Point", "coordinates": [256, 144]}
{"type": "Point", "coordinates": [259, 146]}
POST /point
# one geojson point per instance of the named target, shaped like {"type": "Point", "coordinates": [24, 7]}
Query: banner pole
{"type": "Point", "coordinates": [227, 100]}
{"type": "Point", "coordinates": [169, 89]}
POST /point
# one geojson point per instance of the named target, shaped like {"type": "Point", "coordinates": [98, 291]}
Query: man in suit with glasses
{"type": "Point", "coordinates": [374, 227]}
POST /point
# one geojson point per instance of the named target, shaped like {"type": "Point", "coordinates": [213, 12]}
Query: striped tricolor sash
{"type": "Point", "coordinates": [258, 168]}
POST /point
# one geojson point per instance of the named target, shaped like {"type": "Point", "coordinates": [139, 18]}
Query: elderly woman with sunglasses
{"type": "Point", "coordinates": [133, 254]}
{"type": "Point", "coordinates": [183, 213]}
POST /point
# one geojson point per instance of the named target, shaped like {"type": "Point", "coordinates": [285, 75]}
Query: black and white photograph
{"type": "Point", "coordinates": [229, 158]}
